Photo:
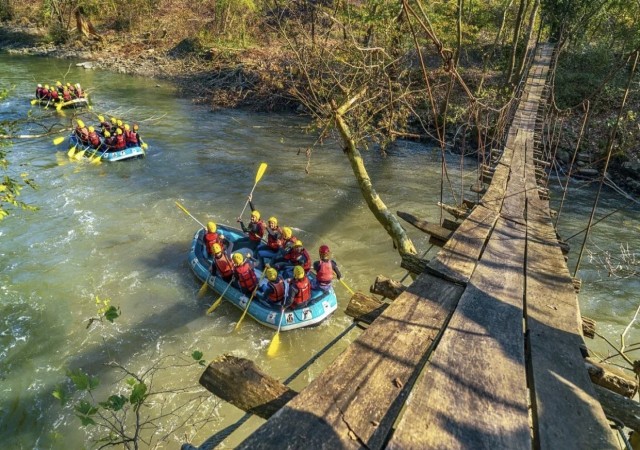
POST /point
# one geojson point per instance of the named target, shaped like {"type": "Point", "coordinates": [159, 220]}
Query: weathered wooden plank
{"type": "Point", "coordinates": [459, 256]}
{"type": "Point", "coordinates": [473, 393]}
{"type": "Point", "coordinates": [355, 401]}
{"type": "Point", "coordinates": [561, 389]}
{"type": "Point", "coordinates": [387, 287]}
{"type": "Point", "coordinates": [433, 229]}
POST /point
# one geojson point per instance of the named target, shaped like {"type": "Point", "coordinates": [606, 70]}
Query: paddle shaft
{"type": "Point", "coordinates": [251, 298]}
{"type": "Point", "coordinates": [189, 214]}
{"type": "Point", "coordinates": [215, 304]}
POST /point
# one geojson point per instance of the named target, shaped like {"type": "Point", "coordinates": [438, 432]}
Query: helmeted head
{"type": "Point", "coordinates": [107, 134]}
{"type": "Point", "coordinates": [101, 118]}
{"type": "Point", "coordinates": [217, 248]}
{"type": "Point", "coordinates": [324, 251]}
{"type": "Point", "coordinates": [271, 273]}
{"type": "Point", "coordinates": [119, 123]}
{"type": "Point", "coordinates": [255, 215]}
{"type": "Point", "coordinates": [298, 272]}
{"type": "Point", "coordinates": [46, 86]}
{"type": "Point", "coordinates": [39, 85]}
{"type": "Point", "coordinates": [127, 127]}
{"type": "Point", "coordinates": [118, 131]}
{"type": "Point", "coordinates": [91, 129]}
{"type": "Point", "coordinates": [135, 127]}
{"type": "Point", "coordinates": [58, 83]}
{"type": "Point", "coordinates": [273, 222]}
{"type": "Point", "coordinates": [114, 120]}
{"type": "Point", "coordinates": [298, 244]}
{"type": "Point", "coordinates": [287, 233]}
{"type": "Point", "coordinates": [80, 123]}
{"type": "Point", "coordinates": [237, 258]}
{"type": "Point", "coordinates": [211, 227]}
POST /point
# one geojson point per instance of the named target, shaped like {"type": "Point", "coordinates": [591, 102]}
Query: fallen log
{"type": "Point", "coordinates": [364, 308]}
{"type": "Point", "coordinates": [240, 382]}
{"type": "Point", "coordinates": [611, 378]}
{"type": "Point", "coordinates": [387, 287]}
{"type": "Point", "coordinates": [621, 408]}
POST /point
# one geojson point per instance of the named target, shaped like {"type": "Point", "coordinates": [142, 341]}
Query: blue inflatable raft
{"type": "Point", "coordinates": [109, 156]}
{"type": "Point", "coordinates": [321, 305]}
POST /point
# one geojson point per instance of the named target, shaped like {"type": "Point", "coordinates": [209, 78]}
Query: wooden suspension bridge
{"type": "Point", "coordinates": [483, 350]}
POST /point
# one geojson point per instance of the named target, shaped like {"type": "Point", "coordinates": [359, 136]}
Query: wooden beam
{"type": "Point", "coordinates": [364, 308]}
{"type": "Point", "coordinates": [611, 378]}
{"type": "Point", "coordinates": [433, 229]}
{"type": "Point", "coordinates": [240, 382]}
{"type": "Point", "coordinates": [413, 263]}
{"type": "Point", "coordinates": [387, 287]}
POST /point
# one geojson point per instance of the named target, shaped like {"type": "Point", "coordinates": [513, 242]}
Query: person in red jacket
{"type": "Point", "coordinates": [119, 142]}
{"type": "Point", "coordinates": [244, 273]}
{"type": "Point", "coordinates": [274, 291]}
{"type": "Point", "coordinates": [274, 240]}
{"type": "Point", "coordinates": [255, 229]}
{"type": "Point", "coordinates": [324, 269]}
{"type": "Point", "coordinates": [299, 289]}
{"type": "Point", "coordinates": [82, 133]}
{"type": "Point", "coordinates": [222, 265]}
{"type": "Point", "coordinates": [130, 136]}
{"type": "Point", "coordinates": [211, 237]}
{"type": "Point", "coordinates": [94, 139]}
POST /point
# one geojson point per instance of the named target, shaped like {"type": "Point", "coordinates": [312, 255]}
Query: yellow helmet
{"type": "Point", "coordinates": [107, 134]}
{"type": "Point", "coordinates": [91, 129]}
{"type": "Point", "coordinates": [80, 123]}
{"type": "Point", "coordinates": [101, 118]}
{"type": "Point", "coordinates": [237, 258]}
{"type": "Point", "coordinates": [211, 226]}
{"type": "Point", "coordinates": [256, 214]}
{"type": "Point", "coordinates": [114, 120]}
{"type": "Point", "coordinates": [273, 220]}
{"type": "Point", "coordinates": [46, 86]}
{"type": "Point", "coordinates": [135, 127]}
{"type": "Point", "coordinates": [58, 83]}
{"type": "Point", "coordinates": [271, 274]}
{"type": "Point", "coordinates": [217, 248]}
{"type": "Point", "coordinates": [298, 243]}
{"type": "Point", "coordinates": [298, 272]}
{"type": "Point", "coordinates": [286, 232]}
{"type": "Point", "coordinates": [126, 127]}
{"type": "Point", "coordinates": [120, 123]}
{"type": "Point", "coordinates": [118, 131]}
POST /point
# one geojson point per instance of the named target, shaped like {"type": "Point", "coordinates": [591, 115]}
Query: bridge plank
{"type": "Point", "coordinates": [474, 392]}
{"type": "Point", "coordinates": [356, 400]}
{"type": "Point", "coordinates": [562, 389]}
{"type": "Point", "coordinates": [458, 258]}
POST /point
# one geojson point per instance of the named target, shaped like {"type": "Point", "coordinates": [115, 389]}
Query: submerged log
{"type": "Point", "coordinates": [240, 382]}
{"type": "Point", "coordinates": [611, 378]}
{"type": "Point", "coordinates": [413, 264]}
{"type": "Point", "coordinates": [625, 410]}
{"type": "Point", "coordinates": [364, 308]}
{"type": "Point", "coordinates": [387, 287]}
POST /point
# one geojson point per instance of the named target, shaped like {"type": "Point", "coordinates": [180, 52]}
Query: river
{"type": "Point", "coordinates": [113, 231]}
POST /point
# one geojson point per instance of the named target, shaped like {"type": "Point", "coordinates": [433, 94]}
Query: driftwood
{"type": "Point", "coordinates": [588, 327]}
{"type": "Point", "coordinates": [413, 264]}
{"type": "Point", "coordinates": [364, 308]}
{"type": "Point", "coordinates": [611, 378]}
{"type": "Point", "coordinates": [387, 287]}
{"type": "Point", "coordinates": [240, 382]}
{"type": "Point", "coordinates": [621, 408]}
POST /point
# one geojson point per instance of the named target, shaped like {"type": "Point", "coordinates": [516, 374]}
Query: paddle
{"type": "Point", "coordinates": [189, 214]}
{"type": "Point", "coordinates": [275, 341]}
{"type": "Point", "coordinates": [261, 169]}
{"type": "Point", "coordinates": [59, 140]}
{"type": "Point", "coordinates": [93, 159]}
{"type": "Point", "coordinates": [347, 287]}
{"type": "Point", "coordinates": [203, 289]}
{"type": "Point", "coordinates": [252, 295]}
{"type": "Point", "coordinates": [217, 302]}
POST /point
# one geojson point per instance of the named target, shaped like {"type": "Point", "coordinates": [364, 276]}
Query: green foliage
{"type": "Point", "coordinates": [197, 355]}
{"type": "Point", "coordinates": [82, 381]}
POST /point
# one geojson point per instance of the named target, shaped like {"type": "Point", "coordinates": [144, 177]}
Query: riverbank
{"type": "Point", "coordinates": [256, 77]}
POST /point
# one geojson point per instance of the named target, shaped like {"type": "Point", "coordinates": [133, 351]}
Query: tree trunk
{"type": "Point", "coordinates": [516, 35]}
{"type": "Point", "coordinates": [532, 22]}
{"type": "Point", "coordinates": [456, 56]}
{"type": "Point", "coordinates": [386, 218]}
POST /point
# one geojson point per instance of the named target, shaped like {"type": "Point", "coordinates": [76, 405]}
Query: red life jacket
{"type": "Point", "coordinates": [224, 265]}
{"type": "Point", "coordinates": [106, 126]}
{"type": "Point", "coordinates": [274, 238]}
{"type": "Point", "coordinates": [53, 94]}
{"type": "Point", "coordinates": [324, 274]}
{"type": "Point", "coordinates": [45, 93]}
{"type": "Point", "coordinates": [246, 277]}
{"type": "Point", "coordinates": [256, 230]}
{"type": "Point", "coordinates": [297, 253]}
{"type": "Point", "coordinates": [131, 138]}
{"type": "Point", "coordinates": [209, 240]}
{"type": "Point", "coordinates": [39, 92]}
{"type": "Point", "coordinates": [94, 139]}
{"type": "Point", "coordinates": [120, 143]}
{"type": "Point", "coordinates": [83, 134]}
{"type": "Point", "coordinates": [66, 95]}
{"type": "Point", "coordinates": [303, 293]}
{"type": "Point", "coordinates": [277, 292]}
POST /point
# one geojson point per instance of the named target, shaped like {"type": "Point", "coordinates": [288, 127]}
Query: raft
{"type": "Point", "coordinates": [109, 156]}
{"type": "Point", "coordinates": [74, 103]}
{"type": "Point", "coordinates": [321, 305]}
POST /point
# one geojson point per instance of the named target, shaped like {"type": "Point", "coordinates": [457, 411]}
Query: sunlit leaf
{"type": "Point", "coordinates": [197, 355]}
{"type": "Point", "coordinates": [138, 394]}
{"type": "Point", "coordinates": [114, 403]}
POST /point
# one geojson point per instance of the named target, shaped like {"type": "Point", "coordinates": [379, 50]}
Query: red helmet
{"type": "Point", "coordinates": [324, 250]}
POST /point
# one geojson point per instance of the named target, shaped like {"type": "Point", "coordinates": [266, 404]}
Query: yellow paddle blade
{"type": "Point", "coordinates": [59, 107]}
{"type": "Point", "coordinates": [58, 140]}
{"type": "Point", "coordinates": [215, 305]}
{"type": "Point", "coordinates": [34, 101]}
{"type": "Point", "coordinates": [71, 151]}
{"type": "Point", "coordinates": [95, 159]}
{"type": "Point", "coordinates": [261, 170]}
{"type": "Point", "coordinates": [203, 290]}
{"type": "Point", "coordinates": [79, 155]}
{"type": "Point", "coordinates": [274, 345]}
{"type": "Point", "coordinates": [90, 107]}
